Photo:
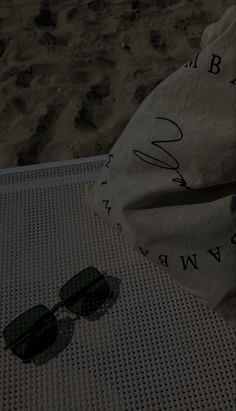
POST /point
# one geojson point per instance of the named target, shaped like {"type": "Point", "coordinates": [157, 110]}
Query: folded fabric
{"type": "Point", "coordinates": [169, 183]}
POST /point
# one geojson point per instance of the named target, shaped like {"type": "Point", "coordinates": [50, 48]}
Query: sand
{"type": "Point", "coordinates": [72, 73]}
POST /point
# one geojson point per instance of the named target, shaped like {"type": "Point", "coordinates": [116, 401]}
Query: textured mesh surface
{"type": "Point", "coordinates": [153, 347]}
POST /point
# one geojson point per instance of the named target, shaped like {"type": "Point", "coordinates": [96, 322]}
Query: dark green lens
{"type": "Point", "coordinates": [85, 292]}
{"type": "Point", "coordinates": [31, 333]}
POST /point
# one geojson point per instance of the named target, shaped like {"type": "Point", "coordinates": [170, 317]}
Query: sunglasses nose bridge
{"type": "Point", "coordinates": [64, 308]}
{"type": "Point", "coordinates": [56, 307]}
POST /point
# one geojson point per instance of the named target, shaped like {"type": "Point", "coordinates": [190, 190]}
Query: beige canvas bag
{"type": "Point", "coordinates": [169, 182]}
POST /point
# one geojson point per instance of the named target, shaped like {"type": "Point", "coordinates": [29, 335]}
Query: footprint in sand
{"type": "Point", "coordinates": [46, 17]}
{"type": "Point", "coordinates": [24, 78]}
{"type": "Point", "coordinates": [156, 38]}
{"type": "Point", "coordinates": [98, 91]}
{"type": "Point", "coordinates": [84, 119]}
{"type": "Point", "coordinates": [29, 152]}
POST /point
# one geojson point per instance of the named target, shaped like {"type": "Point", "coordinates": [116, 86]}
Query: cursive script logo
{"type": "Point", "coordinates": [156, 162]}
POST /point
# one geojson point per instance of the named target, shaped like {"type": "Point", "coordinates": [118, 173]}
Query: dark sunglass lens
{"type": "Point", "coordinates": [85, 292]}
{"type": "Point", "coordinates": [31, 333]}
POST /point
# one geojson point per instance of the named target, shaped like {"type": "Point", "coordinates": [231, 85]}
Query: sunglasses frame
{"type": "Point", "coordinates": [62, 304]}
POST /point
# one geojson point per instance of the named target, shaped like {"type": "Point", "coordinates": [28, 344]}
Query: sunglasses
{"type": "Point", "coordinates": [36, 329]}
